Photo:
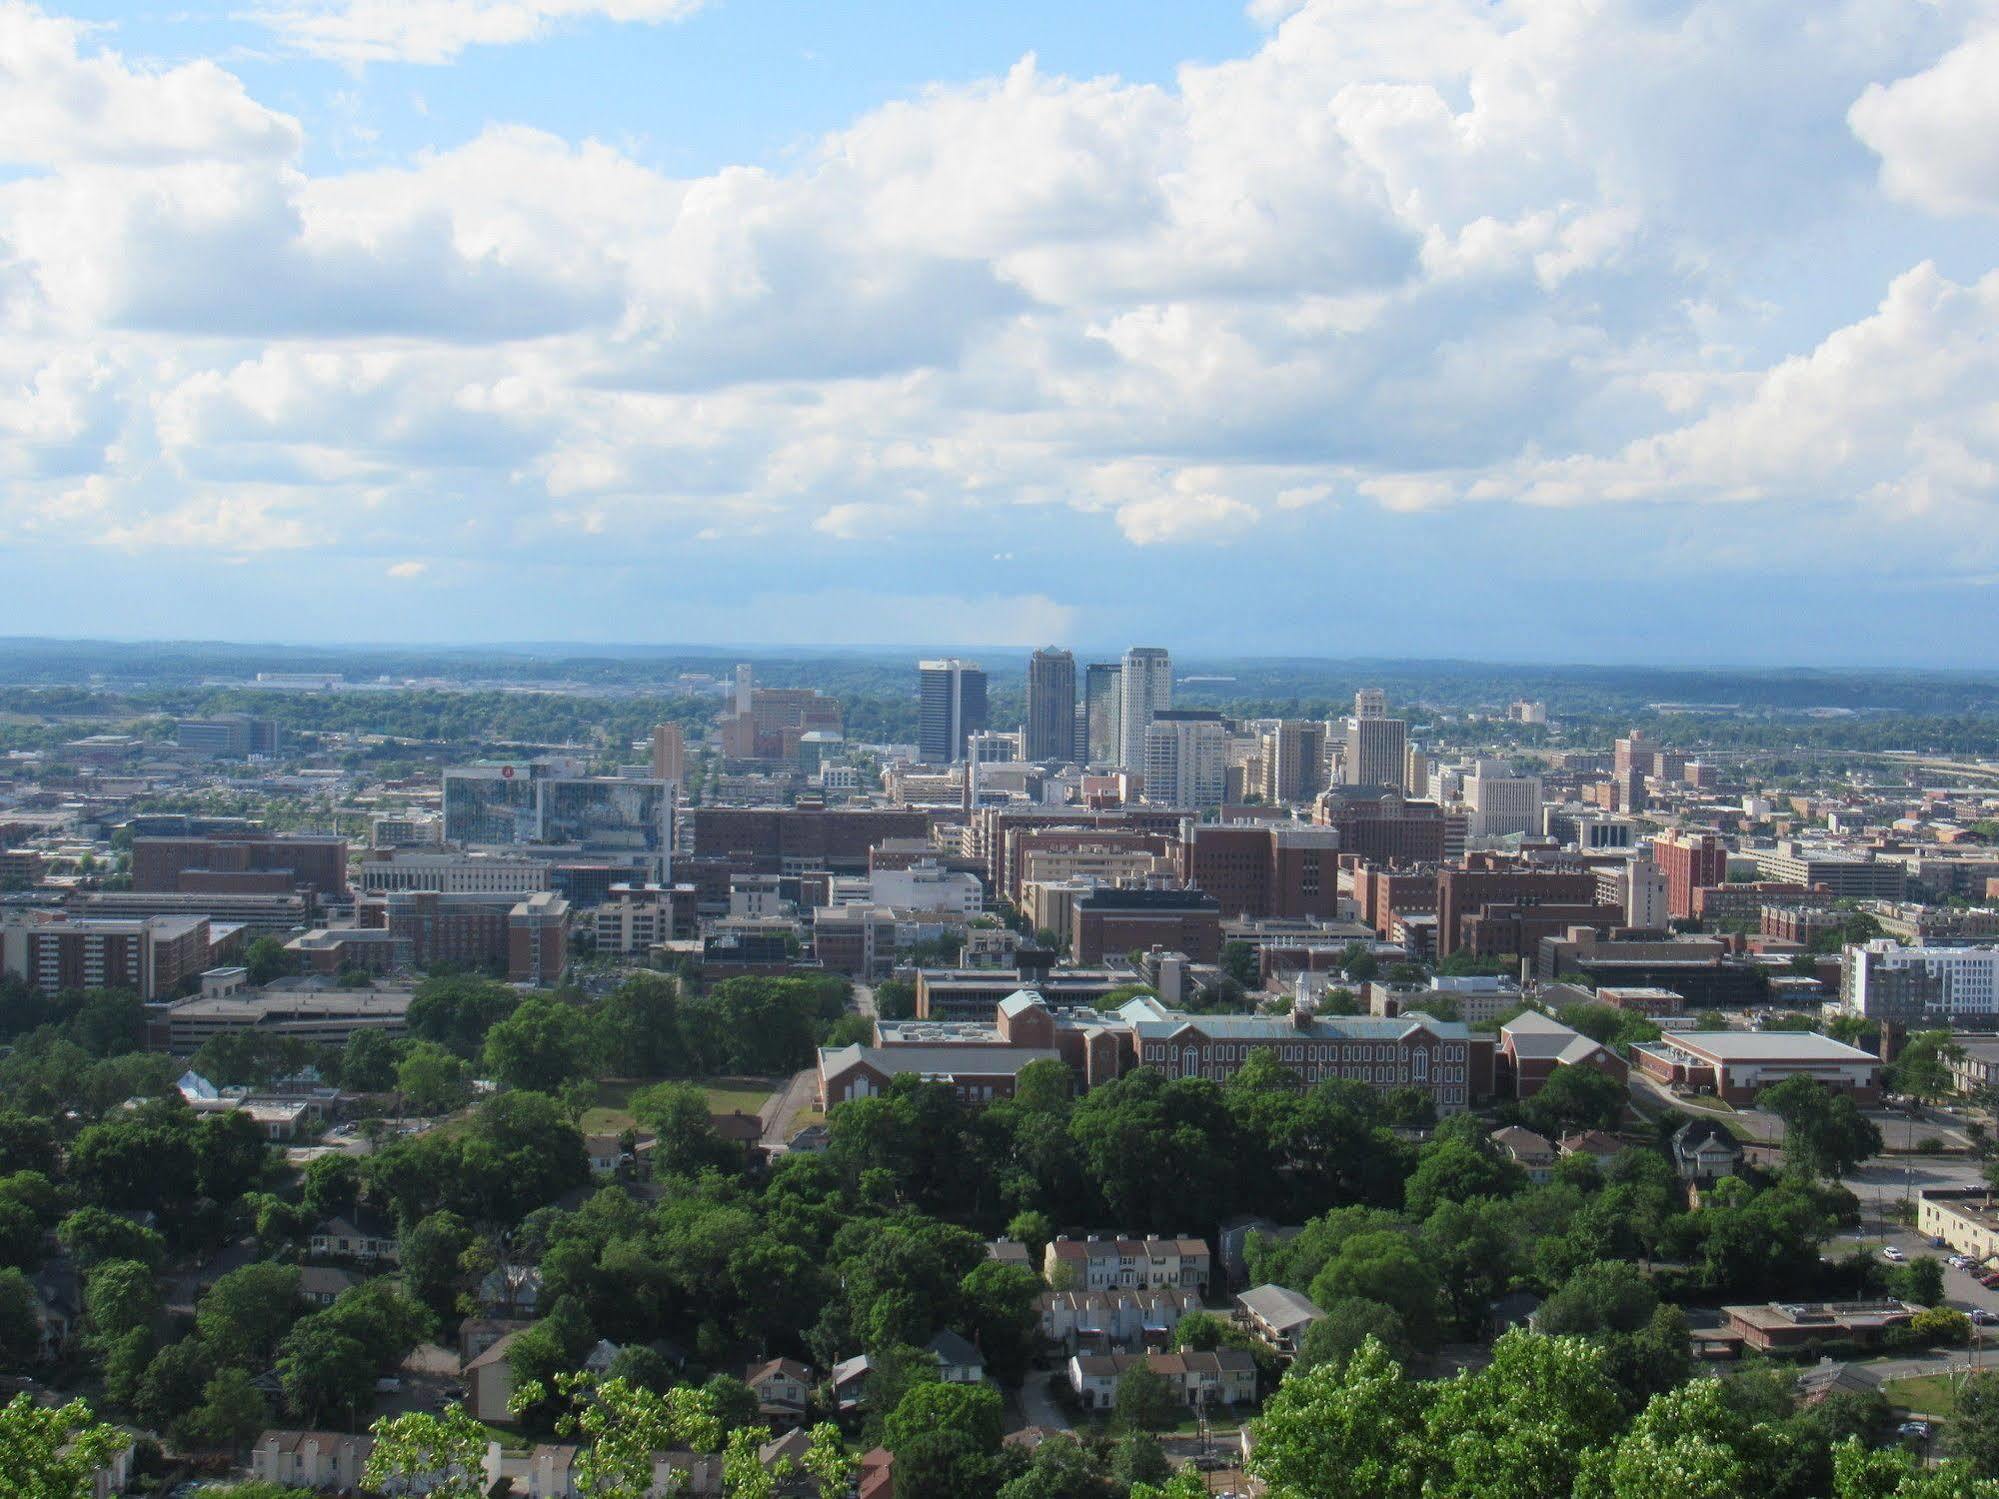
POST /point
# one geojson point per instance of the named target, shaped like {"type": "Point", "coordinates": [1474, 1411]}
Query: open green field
{"type": "Point", "coordinates": [1923, 1394]}
{"type": "Point", "coordinates": [611, 1114]}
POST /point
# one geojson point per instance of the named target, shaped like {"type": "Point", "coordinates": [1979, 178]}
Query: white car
{"type": "Point", "coordinates": [1983, 1318]}
{"type": "Point", "coordinates": [1959, 1262]}
{"type": "Point", "coordinates": [1892, 1253]}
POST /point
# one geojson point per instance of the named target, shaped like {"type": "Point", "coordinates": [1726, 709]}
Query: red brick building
{"type": "Point", "coordinates": [1490, 881]}
{"type": "Point", "coordinates": [1259, 870]}
{"type": "Point", "coordinates": [1690, 862]}
{"type": "Point", "coordinates": [1533, 1046]}
{"type": "Point", "coordinates": [1112, 921]}
{"type": "Point", "coordinates": [786, 840]}
{"type": "Point", "coordinates": [1384, 827]}
{"type": "Point", "coordinates": [236, 864]}
{"type": "Point", "coordinates": [156, 957]}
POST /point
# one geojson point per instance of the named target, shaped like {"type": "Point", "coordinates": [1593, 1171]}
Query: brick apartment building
{"type": "Point", "coordinates": [1383, 894]}
{"type": "Point", "coordinates": [155, 957]}
{"type": "Point", "coordinates": [527, 939]}
{"type": "Point", "coordinates": [992, 830]}
{"type": "Point", "coordinates": [252, 864]}
{"type": "Point", "coordinates": [789, 840]}
{"type": "Point", "coordinates": [1263, 870]}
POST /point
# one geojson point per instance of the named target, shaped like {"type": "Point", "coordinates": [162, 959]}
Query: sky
{"type": "Point", "coordinates": [1565, 330]}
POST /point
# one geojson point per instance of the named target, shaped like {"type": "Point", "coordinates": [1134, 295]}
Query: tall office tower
{"type": "Point", "coordinates": [1145, 687]}
{"type": "Point", "coordinates": [1634, 752]}
{"type": "Point", "coordinates": [1417, 766]}
{"type": "Point", "coordinates": [1377, 746]}
{"type": "Point", "coordinates": [669, 753]}
{"type": "Point", "coordinates": [1103, 691]}
{"type": "Point", "coordinates": [1051, 705]}
{"type": "Point", "coordinates": [951, 704]}
{"type": "Point", "coordinates": [743, 685]}
{"type": "Point", "coordinates": [1293, 756]}
{"type": "Point", "coordinates": [1500, 802]}
{"type": "Point", "coordinates": [1186, 758]}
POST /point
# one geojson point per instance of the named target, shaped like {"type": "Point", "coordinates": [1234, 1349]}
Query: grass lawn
{"type": "Point", "coordinates": [1926, 1394]}
{"type": "Point", "coordinates": [611, 1114]}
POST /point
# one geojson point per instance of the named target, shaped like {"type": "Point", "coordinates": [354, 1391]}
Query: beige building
{"type": "Point", "coordinates": [1963, 1217]}
{"type": "Point", "coordinates": [1097, 1264]}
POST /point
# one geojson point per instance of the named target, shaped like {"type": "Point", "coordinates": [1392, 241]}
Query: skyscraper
{"type": "Point", "coordinates": [1103, 687]}
{"type": "Point", "coordinates": [1186, 758]}
{"type": "Point", "coordinates": [1051, 705]}
{"type": "Point", "coordinates": [951, 704]}
{"type": "Point", "coordinates": [669, 753]}
{"type": "Point", "coordinates": [1145, 688]}
{"type": "Point", "coordinates": [1377, 745]}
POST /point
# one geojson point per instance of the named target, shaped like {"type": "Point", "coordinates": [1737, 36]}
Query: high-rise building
{"type": "Point", "coordinates": [1294, 755]}
{"type": "Point", "coordinates": [744, 687]}
{"type": "Point", "coordinates": [1691, 861]}
{"type": "Point", "coordinates": [1501, 803]}
{"type": "Point", "coordinates": [1051, 705]}
{"type": "Point", "coordinates": [1377, 745]}
{"type": "Point", "coordinates": [1103, 692]}
{"type": "Point", "coordinates": [1186, 758]}
{"type": "Point", "coordinates": [1145, 686]}
{"type": "Point", "coordinates": [951, 704]}
{"type": "Point", "coordinates": [669, 753]}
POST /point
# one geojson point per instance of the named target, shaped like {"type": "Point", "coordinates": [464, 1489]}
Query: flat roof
{"type": "Point", "coordinates": [1756, 1046]}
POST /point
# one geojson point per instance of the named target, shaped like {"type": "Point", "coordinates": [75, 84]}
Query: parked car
{"type": "Point", "coordinates": [1892, 1253]}
{"type": "Point", "coordinates": [1918, 1431]}
{"type": "Point", "coordinates": [1990, 1281]}
{"type": "Point", "coordinates": [1959, 1262]}
{"type": "Point", "coordinates": [1984, 1318]}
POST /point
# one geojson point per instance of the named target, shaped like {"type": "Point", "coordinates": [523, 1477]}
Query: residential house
{"type": "Point", "coordinates": [511, 1291]}
{"type": "Point", "coordinates": [874, 1478]}
{"type": "Point", "coordinates": [1704, 1152]}
{"type": "Point", "coordinates": [1099, 1263]}
{"type": "Point", "coordinates": [958, 1362]}
{"type": "Point", "coordinates": [311, 1459]}
{"type": "Point", "coordinates": [1590, 1142]}
{"type": "Point", "coordinates": [849, 1381]}
{"type": "Point", "coordinates": [1235, 1244]}
{"type": "Point", "coordinates": [1278, 1316]}
{"type": "Point", "coordinates": [321, 1285]}
{"type": "Point", "coordinates": [783, 1387]}
{"type": "Point", "coordinates": [360, 1235]}
{"type": "Point", "coordinates": [1114, 1321]}
{"type": "Point", "coordinates": [1009, 1252]}
{"type": "Point", "coordinates": [599, 1359]}
{"type": "Point", "coordinates": [477, 1334]}
{"type": "Point", "coordinates": [1226, 1376]}
{"type": "Point", "coordinates": [489, 1381]}
{"type": "Point", "coordinates": [1530, 1152]}
{"type": "Point", "coordinates": [58, 1305]}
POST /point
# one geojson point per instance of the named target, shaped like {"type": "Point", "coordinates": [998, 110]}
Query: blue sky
{"type": "Point", "coordinates": [1524, 329]}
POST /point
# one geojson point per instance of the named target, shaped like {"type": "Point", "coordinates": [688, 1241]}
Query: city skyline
{"type": "Point", "coordinates": [751, 326]}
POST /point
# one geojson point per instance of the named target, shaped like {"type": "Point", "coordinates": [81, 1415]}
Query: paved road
{"type": "Point", "coordinates": [864, 1000]}
{"type": "Point", "coordinates": [781, 1108]}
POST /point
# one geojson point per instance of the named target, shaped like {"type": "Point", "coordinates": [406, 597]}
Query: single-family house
{"type": "Point", "coordinates": [783, 1387]}
{"type": "Point", "coordinates": [321, 1285]}
{"type": "Point", "coordinates": [489, 1381]}
{"type": "Point", "coordinates": [1530, 1152]}
{"type": "Point", "coordinates": [1227, 1376]}
{"type": "Point", "coordinates": [360, 1235]}
{"type": "Point", "coordinates": [1704, 1152]}
{"type": "Point", "coordinates": [849, 1380]}
{"type": "Point", "coordinates": [1278, 1316]}
{"type": "Point", "coordinates": [958, 1362]}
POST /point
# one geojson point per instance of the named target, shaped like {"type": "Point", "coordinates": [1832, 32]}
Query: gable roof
{"type": "Point", "coordinates": [950, 1348]}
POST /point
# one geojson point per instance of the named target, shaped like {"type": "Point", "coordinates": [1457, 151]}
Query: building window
{"type": "Point", "coordinates": [1419, 1067]}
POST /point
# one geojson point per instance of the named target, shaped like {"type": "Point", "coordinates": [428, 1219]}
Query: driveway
{"type": "Point", "coordinates": [1037, 1408]}
{"type": "Point", "coordinates": [798, 1097]}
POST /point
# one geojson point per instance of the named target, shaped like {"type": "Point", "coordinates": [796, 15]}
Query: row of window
{"type": "Point", "coordinates": [1309, 1051]}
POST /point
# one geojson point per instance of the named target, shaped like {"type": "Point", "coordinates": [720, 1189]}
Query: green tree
{"type": "Point", "coordinates": [895, 999]}
{"type": "Point", "coordinates": [1002, 1313]}
{"type": "Point", "coordinates": [20, 1326]}
{"type": "Point", "coordinates": [688, 1143]}
{"type": "Point", "coordinates": [1973, 1433]}
{"type": "Point", "coordinates": [1239, 963]}
{"type": "Point", "coordinates": [1922, 1070]}
{"type": "Point", "coordinates": [1576, 1098]}
{"type": "Point", "coordinates": [267, 959]}
{"type": "Point", "coordinates": [1522, 1424]}
{"type": "Point", "coordinates": [50, 1452]}
{"type": "Point", "coordinates": [828, 1462]}
{"type": "Point", "coordinates": [1694, 1442]}
{"type": "Point", "coordinates": [541, 1045]}
{"type": "Point", "coordinates": [432, 1080]}
{"type": "Point", "coordinates": [121, 1295]}
{"type": "Point", "coordinates": [247, 1311]}
{"type": "Point", "coordinates": [232, 1412]}
{"type": "Point", "coordinates": [431, 1259]}
{"type": "Point", "coordinates": [1825, 1135]}
{"type": "Point", "coordinates": [1454, 1171]}
{"type": "Point", "coordinates": [972, 1411]}
{"type": "Point", "coordinates": [1348, 1324]}
{"type": "Point", "coordinates": [441, 1453]}
{"type": "Point", "coordinates": [323, 1369]}
{"type": "Point", "coordinates": [368, 1062]}
{"type": "Point", "coordinates": [1351, 1430]}
{"type": "Point", "coordinates": [1145, 1400]}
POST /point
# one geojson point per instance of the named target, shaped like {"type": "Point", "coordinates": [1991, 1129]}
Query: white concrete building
{"type": "Point", "coordinates": [1501, 803]}
{"type": "Point", "coordinates": [1186, 759]}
